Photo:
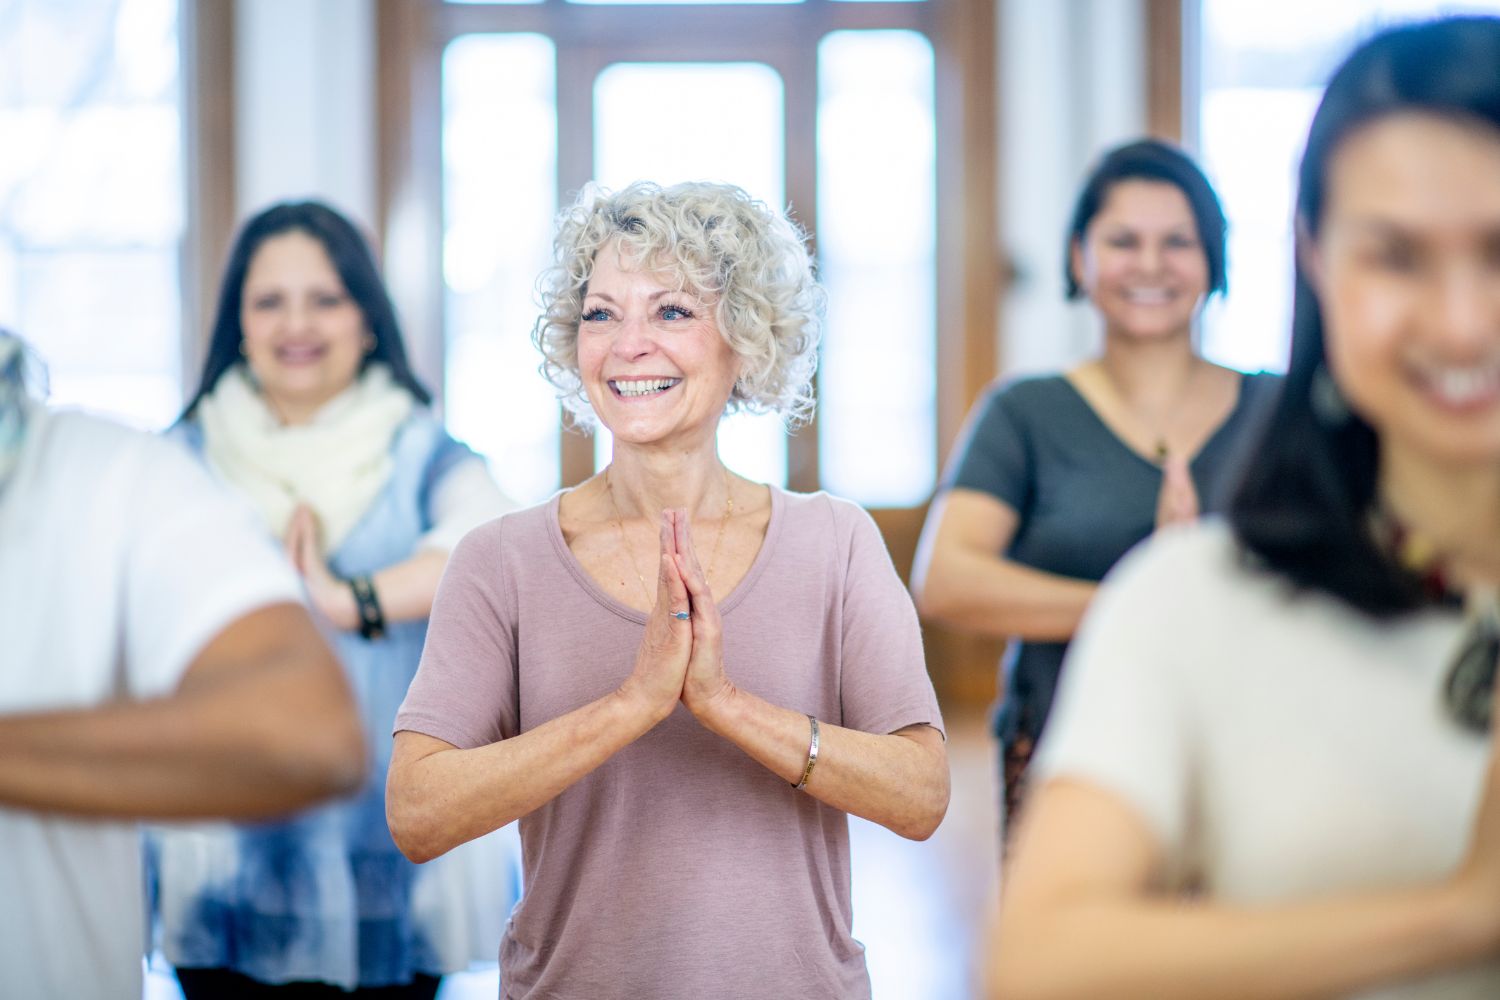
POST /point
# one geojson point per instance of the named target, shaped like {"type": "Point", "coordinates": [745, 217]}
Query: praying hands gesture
{"type": "Point", "coordinates": [681, 654]}
{"type": "Point", "coordinates": [325, 592]}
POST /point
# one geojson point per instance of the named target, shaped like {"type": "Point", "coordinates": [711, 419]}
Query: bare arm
{"type": "Point", "coordinates": [899, 780]}
{"type": "Point", "coordinates": [439, 796]}
{"type": "Point", "coordinates": [405, 589]}
{"type": "Point", "coordinates": [960, 580]}
{"type": "Point", "coordinates": [262, 723]}
{"type": "Point", "coordinates": [1080, 887]}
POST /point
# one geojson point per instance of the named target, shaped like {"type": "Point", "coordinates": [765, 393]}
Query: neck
{"type": "Point", "coordinates": [1455, 509]}
{"type": "Point", "coordinates": [648, 480]}
{"type": "Point", "coordinates": [291, 413]}
{"type": "Point", "coordinates": [1150, 372]}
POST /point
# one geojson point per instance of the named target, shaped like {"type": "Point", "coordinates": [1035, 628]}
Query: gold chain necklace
{"type": "Point", "coordinates": [1160, 450]}
{"type": "Point", "coordinates": [620, 527]}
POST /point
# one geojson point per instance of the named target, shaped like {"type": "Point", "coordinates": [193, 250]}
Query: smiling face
{"type": "Point", "coordinates": [304, 336]}
{"type": "Point", "coordinates": [652, 360]}
{"type": "Point", "coordinates": [1140, 260]}
{"type": "Point", "coordinates": [1407, 268]}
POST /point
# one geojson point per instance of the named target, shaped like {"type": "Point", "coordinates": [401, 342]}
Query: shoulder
{"type": "Point", "coordinates": [1025, 392]}
{"type": "Point", "coordinates": [823, 523]}
{"type": "Point", "coordinates": [526, 529]}
{"type": "Point", "coordinates": [1184, 578]}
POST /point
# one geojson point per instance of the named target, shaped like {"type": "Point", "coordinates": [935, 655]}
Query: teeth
{"type": "Point", "coordinates": [1460, 386]}
{"type": "Point", "coordinates": [643, 386]}
{"type": "Point", "coordinates": [1148, 296]}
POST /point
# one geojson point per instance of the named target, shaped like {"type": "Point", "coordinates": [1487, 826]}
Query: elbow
{"type": "Point", "coordinates": [926, 814]}
{"type": "Point", "coordinates": [344, 766]}
{"type": "Point", "coordinates": [936, 600]}
{"type": "Point", "coordinates": [409, 819]}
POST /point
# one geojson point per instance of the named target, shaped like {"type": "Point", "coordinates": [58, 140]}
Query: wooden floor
{"type": "Point", "coordinates": [920, 909]}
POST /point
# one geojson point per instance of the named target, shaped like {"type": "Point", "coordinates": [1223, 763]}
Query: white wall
{"type": "Point", "coordinates": [305, 104]}
{"type": "Point", "coordinates": [1071, 80]}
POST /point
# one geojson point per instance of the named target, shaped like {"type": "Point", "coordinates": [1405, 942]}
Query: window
{"type": "Point", "coordinates": [1260, 86]}
{"type": "Point", "coordinates": [832, 109]}
{"type": "Point", "coordinates": [91, 199]}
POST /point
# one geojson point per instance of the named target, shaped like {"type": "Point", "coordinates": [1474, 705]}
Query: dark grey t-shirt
{"type": "Point", "coordinates": [1083, 496]}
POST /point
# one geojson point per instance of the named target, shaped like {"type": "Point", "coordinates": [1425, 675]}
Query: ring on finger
{"type": "Point", "coordinates": [682, 616]}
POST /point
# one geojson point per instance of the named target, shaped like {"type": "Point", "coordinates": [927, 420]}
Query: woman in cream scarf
{"type": "Point", "coordinates": [309, 410]}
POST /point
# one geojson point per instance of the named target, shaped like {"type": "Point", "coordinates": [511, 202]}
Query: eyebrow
{"type": "Point", "coordinates": [591, 294]}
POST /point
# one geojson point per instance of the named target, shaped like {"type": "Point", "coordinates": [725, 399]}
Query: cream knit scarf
{"type": "Point", "coordinates": [337, 464]}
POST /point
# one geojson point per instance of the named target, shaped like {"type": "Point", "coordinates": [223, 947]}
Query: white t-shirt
{"type": "Point", "coordinates": [1281, 745]}
{"type": "Point", "coordinates": [119, 560]}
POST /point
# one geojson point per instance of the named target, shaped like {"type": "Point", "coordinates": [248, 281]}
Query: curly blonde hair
{"type": "Point", "coordinates": [725, 247]}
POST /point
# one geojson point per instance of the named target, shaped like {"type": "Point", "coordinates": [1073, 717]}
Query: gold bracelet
{"type": "Point", "coordinates": [812, 755]}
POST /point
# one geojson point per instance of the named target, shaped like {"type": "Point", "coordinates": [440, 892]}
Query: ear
{"type": "Point", "coordinates": [1309, 256]}
{"type": "Point", "coordinates": [1075, 263]}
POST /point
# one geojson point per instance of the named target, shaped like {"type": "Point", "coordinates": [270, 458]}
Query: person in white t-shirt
{"type": "Point", "coordinates": [141, 679]}
{"type": "Point", "coordinates": [1271, 771]}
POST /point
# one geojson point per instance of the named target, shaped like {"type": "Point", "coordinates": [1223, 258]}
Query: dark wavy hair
{"type": "Point", "coordinates": [1304, 503]}
{"type": "Point", "coordinates": [356, 268]}
{"type": "Point", "coordinates": [1151, 160]}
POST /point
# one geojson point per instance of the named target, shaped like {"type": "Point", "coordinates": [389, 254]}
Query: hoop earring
{"type": "Point", "coordinates": [1328, 403]}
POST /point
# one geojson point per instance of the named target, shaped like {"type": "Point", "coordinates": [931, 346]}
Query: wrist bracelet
{"type": "Point", "coordinates": [371, 618]}
{"type": "Point", "coordinates": [812, 754]}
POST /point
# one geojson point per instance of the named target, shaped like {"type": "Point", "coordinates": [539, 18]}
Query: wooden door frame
{"type": "Point", "coordinates": [970, 277]}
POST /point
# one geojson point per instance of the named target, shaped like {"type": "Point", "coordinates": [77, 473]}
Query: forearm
{"type": "Point", "coordinates": [267, 735]}
{"type": "Point", "coordinates": [438, 800]}
{"type": "Point", "coordinates": [992, 596]}
{"type": "Point", "coordinates": [1162, 950]}
{"type": "Point", "coordinates": [405, 591]}
{"type": "Point", "coordinates": [889, 779]}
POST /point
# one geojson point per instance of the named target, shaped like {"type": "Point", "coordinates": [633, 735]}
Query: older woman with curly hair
{"type": "Point", "coordinates": [681, 738]}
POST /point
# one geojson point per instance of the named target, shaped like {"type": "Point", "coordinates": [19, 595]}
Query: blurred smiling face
{"type": "Point", "coordinates": [650, 354]}
{"type": "Point", "coordinates": [1407, 268]}
{"type": "Point", "coordinates": [304, 335]}
{"type": "Point", "coordinates": [1140, 260]}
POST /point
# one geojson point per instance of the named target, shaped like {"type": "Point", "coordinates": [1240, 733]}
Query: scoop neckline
{"type": "Point", "coordinates": [623, 610]}
{"type": "Point", "coordinates": [1240, 399]}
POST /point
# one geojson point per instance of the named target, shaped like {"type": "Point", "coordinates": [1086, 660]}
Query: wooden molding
{"type": "Point", "coordinates": [208, 93]}
{"type": "Point", "coordinates": [1164, 65]}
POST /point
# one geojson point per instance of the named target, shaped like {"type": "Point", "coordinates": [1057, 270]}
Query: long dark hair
{"type": "Point", "coordinates": [1304, 504]}
{"type": "Point", "coordinates": [1164, 163]}
{"type": "Point", "coordinates": [356, 268]}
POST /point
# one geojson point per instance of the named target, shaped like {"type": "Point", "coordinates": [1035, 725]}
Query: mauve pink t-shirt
{"type": "Point", "coordinates": [680, 868]}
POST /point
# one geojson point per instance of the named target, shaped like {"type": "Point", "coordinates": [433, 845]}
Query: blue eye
{"type": "Point", "coordinates": [595, 316]}
{"type": "Point", "coordinates": [675, 312]}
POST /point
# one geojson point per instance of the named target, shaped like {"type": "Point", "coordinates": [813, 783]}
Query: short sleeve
{"type": "Point", "coordinates": [465, 691]}
{"type": "Point", "coordinates": [196, 560]}
{"type": "Point", "coordinates": [884, 684]}
{"type": "Point", "coordinates": [463, 499]}
{"type": "Point", "coordinates": [993, 454]}
{"type": "Point", "coordinates": [1120, 721]}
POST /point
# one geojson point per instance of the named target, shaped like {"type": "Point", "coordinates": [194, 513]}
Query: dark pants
{"type": "Point", "coordinates": [222, 984]}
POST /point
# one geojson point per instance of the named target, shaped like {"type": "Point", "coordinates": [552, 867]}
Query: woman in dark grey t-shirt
{"type": "Point", "coordinates": [1056, 477]}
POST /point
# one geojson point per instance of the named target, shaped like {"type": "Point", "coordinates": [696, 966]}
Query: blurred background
{"type": "Point", "coordinates": [932, 147]}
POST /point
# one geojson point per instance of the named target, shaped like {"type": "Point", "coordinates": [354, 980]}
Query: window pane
{"type": "Point", "coordinates": [1261, 85]}
{"type": "Point", "coordinates": [499, 199]}
{"type": "Point", "coordinates": [700, 142]}
{"type": "Point", "coordinates": [91, 211]}
{"type": "Point", "coordinates": [877, 421]}
{"type": "Point", "coordinates": [717, 2]}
